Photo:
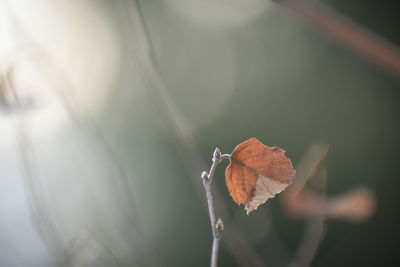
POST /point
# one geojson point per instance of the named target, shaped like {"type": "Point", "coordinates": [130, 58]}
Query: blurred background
{"type": "Point", "coordinates": [110, 111]}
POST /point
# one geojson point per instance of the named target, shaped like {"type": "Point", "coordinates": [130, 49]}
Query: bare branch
{"type": "Point", "coordinates": [216, 226]}
{"type": "Point", "coordinates": [237, 244]}
{"type": "Point", "coordinates": [348, 33]}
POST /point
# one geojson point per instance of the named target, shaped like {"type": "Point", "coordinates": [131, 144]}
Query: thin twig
{"type": "Point", "coordinates": [96, 138]}
{"type": "Point", "coordinates": [315, 229]}
{"type": "Point", "coordinates": [237, 244]}
{"type": "Point", "coordinates": [88, 127]}
{"type": "Point", "coordinates": [216, 226]}
{"type": "Point", "coordinates": [309, 243]}
{"type": "Point", "coordinates": [311, 163]}
{"type": "Point", "coordinates": [348, 33]}
{"type": "Point", "coordinates": [39, 213]}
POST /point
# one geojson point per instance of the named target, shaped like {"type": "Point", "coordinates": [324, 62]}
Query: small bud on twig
{"type": "Point", "coordinates": [204, 176]}
{"type": "Point", "coordinates": [217, 154]}
{"type": "Point", "coordinates": [219, 226]}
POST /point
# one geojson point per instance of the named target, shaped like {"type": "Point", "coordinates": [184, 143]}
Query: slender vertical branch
{"type": "Point", "coordinates": [217, 227]}
{"type": "Point", "coordinates": [37, 207]}
{"type": "Point", "coordinates": [348, 33]}
{"type": "Point", "coordinates": [312, 163]}
{"type": "Point", "coordinates": [238, 244]}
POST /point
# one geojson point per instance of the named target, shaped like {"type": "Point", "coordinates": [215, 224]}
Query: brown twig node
{"type": "Point", "coordinates": [217, 227]}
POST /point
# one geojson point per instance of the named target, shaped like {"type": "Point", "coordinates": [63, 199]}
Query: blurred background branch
{"type": "Point", "coordinates": [348, 33]}
{"type": "Point", "coordinates": [240, 248]}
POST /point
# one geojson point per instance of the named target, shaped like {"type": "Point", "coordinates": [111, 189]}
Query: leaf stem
{"type": "Point", "coordinates": [217, 227]}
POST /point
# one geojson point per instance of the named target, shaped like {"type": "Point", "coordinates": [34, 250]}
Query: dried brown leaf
{"type": "Point", "coordinates": [256, 173]}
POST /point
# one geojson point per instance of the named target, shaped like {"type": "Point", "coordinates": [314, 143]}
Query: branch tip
{"type": "Point", "coordinates": [219, 226]}
{"type": "Point", "coordinates": [204, 176]}
{"type": "Point", "coordinates": [217, 154]}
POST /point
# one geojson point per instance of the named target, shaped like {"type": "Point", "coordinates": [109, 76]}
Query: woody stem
{"type": "Point", "coordinates": [216, 226]}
